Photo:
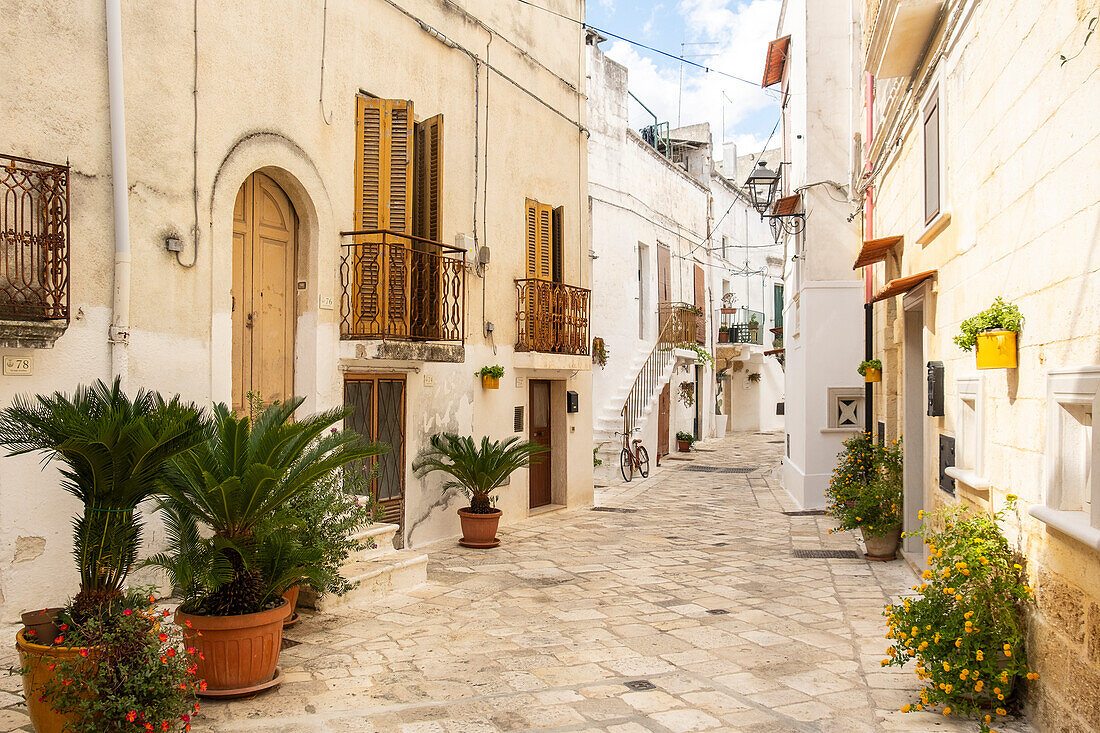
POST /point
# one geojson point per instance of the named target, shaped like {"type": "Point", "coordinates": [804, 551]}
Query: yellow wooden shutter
{"type": "Point", "coordinates": [383, 186]}
{"type": "Point", "coordinates": [539, 240]}
{"type": "Point", "coordinates": [428, 220]}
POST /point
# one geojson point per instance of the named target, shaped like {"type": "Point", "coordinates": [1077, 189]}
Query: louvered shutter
{"type": "Point", "coordinates": [532, 217]}
{"type": "Point", "coordinates": [383, 184]}
{"type": "Point", "coordinates": [700, 305]}
{"type": "Point", "coordinates": [427, 286]}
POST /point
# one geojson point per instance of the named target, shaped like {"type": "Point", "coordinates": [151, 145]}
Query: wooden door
{"type": "Point", "coordinates": [540, 433]}
{"type": "Point", "coordinates": [378, 414]}
{"type": "Point", "coordinates": [264, 255]}
{"type": "Point", "coordinates": [664, 274]}
{"type": "Point", "coordinates": [664, 408]}
{"type": "Point", "coordinates": [700, 304]}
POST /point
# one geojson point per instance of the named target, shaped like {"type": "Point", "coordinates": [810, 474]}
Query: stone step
{"type": "Point", "coordinates": [374, 579]}
{"type": "Point", "coordinates": [374, 541]}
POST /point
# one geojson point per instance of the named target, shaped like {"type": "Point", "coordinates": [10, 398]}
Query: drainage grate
{"type": "Point", "coordinates": [720, 469]}
{"type": "Point", "coordinates": [717, 611]}
{"type": "Point", "coordinates": [618, 509]}
{"type": "Point", "coordinates": [830, 554]}
{"type": "Point", "coordinates": [641, 685]}
{"type": "Point", "coordinates": [806, 513]}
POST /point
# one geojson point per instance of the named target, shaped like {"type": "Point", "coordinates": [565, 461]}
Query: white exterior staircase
{"type": "Point", "coordinates": [376, 571]}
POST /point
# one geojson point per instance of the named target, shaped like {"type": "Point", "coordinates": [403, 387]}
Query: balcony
{"type": "Point", "coordinates": [741, 326]}
{"type": "Point", "coordinates": [553, 318]}
{"type": "Point", "coordinates": [34, 252]}
{"type": "Point", "coordinates": [688, 324]}
{"type": "Point", "coordinates": [399, 287]}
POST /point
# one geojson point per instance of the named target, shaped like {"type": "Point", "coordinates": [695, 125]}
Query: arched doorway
{"type": "Point", "coordinates": [264, 255]}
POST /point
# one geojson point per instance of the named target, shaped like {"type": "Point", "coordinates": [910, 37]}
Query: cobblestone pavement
{"type": "Point", "coordinates": [678, 606]}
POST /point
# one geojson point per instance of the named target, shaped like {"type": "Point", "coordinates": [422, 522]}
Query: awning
{"type": "Point", "coordinates": [776, 61]}
{"type": "Point", "coordinates": [902, 285]}
{"type": "Point", "coordinates": [787, 205]}
{"type": "Point", "coordinates": [875, 250]}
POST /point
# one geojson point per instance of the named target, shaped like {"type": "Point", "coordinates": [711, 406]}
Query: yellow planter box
{"type": "Point", "coordinates": [872, 375]}
{"type": "Point", "coordinates": [996, 350]}
{"type": "Point", "coordinates": [489, 382]}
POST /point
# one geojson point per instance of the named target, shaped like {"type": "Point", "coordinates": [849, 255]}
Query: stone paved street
{"type": "Point", "coordinates": [685, 581]}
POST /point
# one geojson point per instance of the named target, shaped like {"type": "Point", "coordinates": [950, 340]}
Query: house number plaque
{"type": "Point", "coordinates": [18, 366]}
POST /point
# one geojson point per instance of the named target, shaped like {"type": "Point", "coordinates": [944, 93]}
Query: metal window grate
{"type": "Point", "coordinates": [517, 419]}
{"type": "Point", "coordinates": [826, 554]}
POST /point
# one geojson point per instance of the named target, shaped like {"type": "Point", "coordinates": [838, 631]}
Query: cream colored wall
{"type": "Point", "coordinates": [1019, 136]}
{"type": "Point", "coordinates": [258, 87]}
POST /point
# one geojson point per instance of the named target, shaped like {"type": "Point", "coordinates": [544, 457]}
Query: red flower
{"type": "Point", "coordinates": [164, 725]}
{"type": "Point", "coordinates": [148, 726]}
{"type": "Point", "coordinates": [202, 687]}
{"type": "Point", "coordinates": [164, 660]}
{"type": "Point", "coordinates": [171, 652]}
{"type": "Point", "coordinates": [185, 718]}
{"type": "Point", "coordinates": [187, 624]}
{"type": "Point", "coordinates": [66, 682]}
{"type": "Point", "coordinates": [59, 639]}
{"type": "Point", "coordinates": [152, 598]}
{"type": "Point", "coordinates": [131, 716]}
{"type": "Point", "coordinates": [190, 650]}
{"type": "Point", "coordinates": [32, 632]}
{"type": "Point", "coordinates": [165, 612]}
{"type": "Point", "coordinates": [84, 653]}
{"type": "Point", "coordinates": [128, 612]}
{"type": "Point", "coordinates": [162, 636]}
{"type": "Point", "coordinates": [63, 627]}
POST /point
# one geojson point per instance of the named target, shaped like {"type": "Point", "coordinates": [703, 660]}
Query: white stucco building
{"type": "Point", "coordinates": [823, 322]}
{"type": "Point", "coordinates": [208, 199]}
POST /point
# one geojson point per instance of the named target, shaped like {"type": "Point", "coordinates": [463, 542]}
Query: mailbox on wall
{"type": "Point", "coordinates": [935, 389]}
{"type": "Point", "coordinates": [572, 402]}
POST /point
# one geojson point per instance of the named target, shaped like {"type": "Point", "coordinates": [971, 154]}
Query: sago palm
{"type": "Point", "coordinates": [476, 470]}
{"type": "Point", "coordinates": [115, 451]}
{"type": "Point", "coordinates": [238, 483]}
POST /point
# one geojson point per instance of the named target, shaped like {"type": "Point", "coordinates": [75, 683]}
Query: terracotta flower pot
{"type": "Point", "coordinates": [996, 350]}
{"type": "Point", "coordinates": [490, 382]}
{"type": "Point", "coordinates": [684, 446]}
{"type": "Point", "coordinates": [723, 337]}
{"type": "Point", "coordinates": [291, 596]}
{"type": "Point", "coordinates": [872, 375]}
{"type": "Point", "coordinates": [479, 530]}
{"type": "Point", "coordinates": [42, 623]}
{"type": "Point", "coordinates": [36, 660]}
{"type": "Point", "coordinates": [882, 547]}
{"type": "Point", "coordinates": [240, 651]}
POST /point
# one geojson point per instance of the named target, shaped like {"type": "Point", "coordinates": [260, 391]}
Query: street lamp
{"type": "Point", "coordinates": [762, 185]}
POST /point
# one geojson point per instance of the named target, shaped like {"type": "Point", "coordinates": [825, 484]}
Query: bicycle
{"type": "Point", "coordinates": [633, 457]}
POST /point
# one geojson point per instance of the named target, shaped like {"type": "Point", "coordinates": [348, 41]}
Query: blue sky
{"type": "Point", "coordinates": [735, 31]}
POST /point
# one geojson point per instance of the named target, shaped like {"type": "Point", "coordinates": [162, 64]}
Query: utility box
{"type": "Point", "coordinates": [935, 389]}
{"type": "Point", "coordinates": [572, 402]}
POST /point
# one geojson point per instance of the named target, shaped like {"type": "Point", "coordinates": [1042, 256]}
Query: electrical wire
{"type": "Point", "coordinates": [324, 37]}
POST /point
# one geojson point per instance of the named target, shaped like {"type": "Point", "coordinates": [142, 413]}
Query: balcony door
{"type": "Point", "coordinates": [264, 255]}
{"type": "Point", "coordinates": [540, 433]}
{"type": "Point", "coordinates": [378, 414]}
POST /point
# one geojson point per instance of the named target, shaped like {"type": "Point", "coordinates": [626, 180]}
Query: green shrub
{"type": "Point", "coordinates": [869, 364]}
{"type": "Point", "coordinates": [999, 316]}
{"type": "Point", "coordinates": [496, 371]}
{"type": "Point", "coordinates": [865, 490]}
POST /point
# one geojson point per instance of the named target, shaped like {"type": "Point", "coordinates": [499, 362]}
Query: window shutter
{"type": "Point", "coordinates": [544, 257]}
{"type": "Point", "coordinates": [556, 241]}
{"type": "Point", "coordinates": [428, 222]}
{"type": "Point", "coordinates": [532, 217]}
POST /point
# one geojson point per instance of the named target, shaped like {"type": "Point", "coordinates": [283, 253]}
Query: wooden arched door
{"type": "Point", "coordinates": [264, 255]}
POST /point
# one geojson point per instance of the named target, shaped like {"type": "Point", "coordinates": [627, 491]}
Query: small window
{"type": "Point", "coordinates": [517, 419]}
{"type": "Point", "coordinates": [932, 158]}
{"type": "Point", "coordinates": [846, 408]}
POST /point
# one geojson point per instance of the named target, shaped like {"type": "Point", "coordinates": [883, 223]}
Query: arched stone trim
{"type": "Point", "coordinates": [317, 333]}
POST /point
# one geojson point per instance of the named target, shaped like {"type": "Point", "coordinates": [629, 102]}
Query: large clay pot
{"type": "Point", "coordinates": [291, 596]}
{"type": "Point", "coordinates": [42, 623]}
{"type": "Point", "coordinates": [36, 660]}
{"type": "Point", "coordinates": [239, 652]}
{"type": "Point", "coordinates": [996, 350]}
{"type": "Point", "coordinates": [882, 547]}
{"type": "Point", "coordinates": [684, 446]}
{"type": "Point", "coordinates": [479, 530]}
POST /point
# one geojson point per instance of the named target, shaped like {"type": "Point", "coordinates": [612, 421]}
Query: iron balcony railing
{"type": "Point", "coordinates": [401, 287]}
{"type": "Point", "coordinates": [552, 317]}
{"type": "Point", "coordinates": [741, 326]}
{"type": "Point", "coordinates": [34, 240]}
{"type": "Point", "coordinates": [687, 320]}
{"type": "Point", "coordinates": [677, 327]}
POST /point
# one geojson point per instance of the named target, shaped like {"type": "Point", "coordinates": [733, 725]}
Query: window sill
{"type": "Point", "coordinates": [842, 430]}
{"type": "Point", "coordinates": [934, 228]}
{"type": "Point", "coordinates": [1074, 524]}
{"type": "Point", "coordinates": [30, 334]}
{"type": "Point", "coordinates": [968, 477]}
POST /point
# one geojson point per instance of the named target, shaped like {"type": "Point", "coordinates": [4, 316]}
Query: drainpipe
{"type": "Point", "coordinates": [869, 233]}
{"type": "Point", "coordinates": [118, 334]}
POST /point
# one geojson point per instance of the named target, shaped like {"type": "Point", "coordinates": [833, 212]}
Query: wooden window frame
{"type": "Point", "coordinates": [932, 108]}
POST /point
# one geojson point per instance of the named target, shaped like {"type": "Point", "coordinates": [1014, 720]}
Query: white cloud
{"type": "Point", "coordinates": [608, 5]}
{"type": "Point", "coordinates": [741, 31]}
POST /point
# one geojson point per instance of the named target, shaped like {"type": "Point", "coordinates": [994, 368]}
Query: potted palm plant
{"type": "Point", "coordinates": [115, 451]}
{"type": "Point", "coordinates": [233, 551]}
{"type": "Point", "coordinates": [993, 332]}
{"type": "Point", "coordinates": [477, 470]}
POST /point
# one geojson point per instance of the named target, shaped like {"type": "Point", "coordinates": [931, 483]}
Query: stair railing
{"type": "Point", "coordinates": [676, 322]}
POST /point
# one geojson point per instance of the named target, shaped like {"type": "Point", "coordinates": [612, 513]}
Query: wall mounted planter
{"type": "Point", "coordinates": [872, 375]}
{"type": "Point", "coordinates": [996, 350]}
{"type": "Point", "coordinates": [490, 382]}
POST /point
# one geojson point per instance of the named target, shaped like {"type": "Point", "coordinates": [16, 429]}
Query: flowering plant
{"type": "Point", "coordinates": [865, 490]}
{"type": "Point", "coordinates": [600, 353]}
{"type": "Point", "coordinates": [966, 628]}
{"type": "Point", "coordinates": [132, 672]}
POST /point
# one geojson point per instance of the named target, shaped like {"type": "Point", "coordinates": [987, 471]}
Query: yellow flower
{"type": "Point", "coordinates": [958, 643]}
{"type": "Point", "coordinates": [946, 666]}
{"type": "Point", "coordinates": [978, 686]}
{"type": "Point", "coordinates": [1008, 653]}
{"type": "Point", "coordinates": [947, 711]}
{"type": "Point", "coordinates": [906, 708]}
{"type": "Point", "coordinates": [1033, 675]}
{"type": "Point", "coordinates": [980, 655]}
{"type": "Point", "coordinates": [1001, 711]}
{"type": "Point", "coordinates": [958, 597]}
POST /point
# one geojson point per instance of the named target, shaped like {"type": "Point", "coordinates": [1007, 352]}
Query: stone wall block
{"type": "Point", "coordinates": [1093, 626]}
{"type": "Point", "coordinates": [1061, 605]}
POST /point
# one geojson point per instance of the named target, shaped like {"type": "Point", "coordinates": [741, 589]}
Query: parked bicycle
{"type": "Point", "coordinates": [633, 457]}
